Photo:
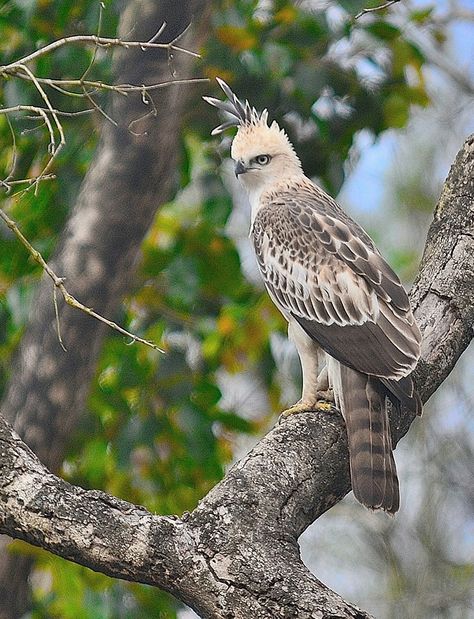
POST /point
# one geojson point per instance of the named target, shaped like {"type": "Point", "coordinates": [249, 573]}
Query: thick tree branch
{"type": "Point", "coordinates": [125, 541]}
{"type": "Point", "coordinates": [236, 554]}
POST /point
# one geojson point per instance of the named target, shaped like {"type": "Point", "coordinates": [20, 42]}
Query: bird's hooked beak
{"type": "Point", "coordinates": [240, 168]}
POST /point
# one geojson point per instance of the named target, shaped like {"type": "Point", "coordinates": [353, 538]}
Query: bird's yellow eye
{"type": "Point", "coordinates": [262, 159]}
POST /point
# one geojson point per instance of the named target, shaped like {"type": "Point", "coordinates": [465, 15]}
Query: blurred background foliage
{"type": "Point", "coordinates": [161, 429]}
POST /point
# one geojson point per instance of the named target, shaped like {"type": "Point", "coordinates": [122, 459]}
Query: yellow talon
{"type": "Point", "coordinates": [304, 407]}
{"type": "Point", "coordinates": [322, 405]}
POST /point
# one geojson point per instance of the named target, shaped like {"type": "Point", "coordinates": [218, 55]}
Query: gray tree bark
{"type": "Point", "coordinates": [133, 173]}
{"type": "Point", "coordinates": [236, 555]}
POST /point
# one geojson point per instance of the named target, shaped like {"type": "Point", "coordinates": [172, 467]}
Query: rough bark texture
{"type": "Point", "coordinates": [236, 555]}
{"type": "Point", "coordinates": [132, 175]}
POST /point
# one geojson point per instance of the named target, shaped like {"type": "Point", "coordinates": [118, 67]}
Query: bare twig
{"type": "Point", "coordinates": [158, 33]}
{"type": "Point", "coordinates": [50, 115]}
{"type": "Point", "coordinates": [59, 284]}
{"type": "Point", "coordinates": [56, 111]}
{"type": "Point", "coordinates": [147, 99]}
{"type": "Point", "coordinates": [376, 8]}
{"type": "Point", "coordinates": [96, 107]}
{"type": "Point", "coordinates": [54, 149]}
{"type": "Point", "coordinates": [56, 313]}
{"type": "Point", "coordinates": [92, 39]}
{"type": "Point", "coordinates": [14, 153]}
{"type": "Point", "coordinates": [94, 54]}
{"type": "Point", "coordinates": [39, 111]}
{"type": "Point", "coordinates": [119, 88]}
{"type": "Point", "coordinates": [45, 98]}
{"type": "Point", "coordinates": [8, 184]}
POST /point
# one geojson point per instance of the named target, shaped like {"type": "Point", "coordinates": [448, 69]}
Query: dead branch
{"type": "Point", "coordinates": [20, 69]}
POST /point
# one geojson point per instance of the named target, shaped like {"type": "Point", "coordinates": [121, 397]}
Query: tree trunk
{"type": "Point", "coordinates": [236, 555]}
{"type": "Point", "coordinates": [133, 173]}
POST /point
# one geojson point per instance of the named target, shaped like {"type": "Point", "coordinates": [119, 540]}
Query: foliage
{"type": "Point", "coordinates": [157, 433]}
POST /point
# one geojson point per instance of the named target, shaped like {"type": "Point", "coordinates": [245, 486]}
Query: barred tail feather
{"type": "Point", "coordinates": [362, 401]}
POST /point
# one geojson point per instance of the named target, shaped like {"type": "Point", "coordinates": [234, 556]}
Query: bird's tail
{"type": "Point", "coordinates": [362, 401]}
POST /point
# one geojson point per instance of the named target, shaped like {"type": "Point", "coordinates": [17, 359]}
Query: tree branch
{"type": "Point", "coordinates": [373, 9]}
{"type": "Point", "coordinates": [96, 41]}
{"type": "Point", "coordinates": [19, 68]}
{"type": "Point", "coordinates": [236, 554]}
{"type": "Point", "coordinates": [58, 283]}
{"type": "Point", "coordinates": [125, 541]}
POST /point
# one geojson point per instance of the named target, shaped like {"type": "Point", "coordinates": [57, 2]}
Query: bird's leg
{"type": "Point", "coordinates": [316, 394]}
{"type": "Point", "coordinates": [324, 393]}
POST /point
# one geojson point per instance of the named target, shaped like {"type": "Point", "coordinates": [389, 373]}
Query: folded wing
{"type": "Point", "coordinates": [323, 270]}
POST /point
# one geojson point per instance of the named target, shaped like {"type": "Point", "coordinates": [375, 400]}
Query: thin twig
{"type": "Point", "coordinates": [63, 91]}
{"type": "Point", "coordinates": [56, 313]}
{"type": "Point", "coordinates": [40, 111]}
{"type": "Point", "coordinates": [158, 33]}
{"type": "Point", "coordinates": [45, 98]}
{"type": "Point", "coordinates": [94, 54]}
{"type": "Point", "coordinates": [119, 88]}
{"type": "Point", "coordinates": [98, 108]}
{"type": "Point", "coordinates": [153, 112]}
{"type": "Point", "coordinates": [92, 39]}
{"type": "Point", "coordinates": [59, 283]}
{"type": "Point", "coordinates": [8, 184]}
{"type": "Point", "coordinates": [180, 35]}
{"type": "Point", "coordinates": [14, 152]}
{"type": "Point", "coordinates": [54, 149]}
{"type": "Point", "coordinates": [376, 8]}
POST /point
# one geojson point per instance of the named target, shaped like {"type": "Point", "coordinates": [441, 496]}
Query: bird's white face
{"type": "Point", "coordinates": [263, 156]}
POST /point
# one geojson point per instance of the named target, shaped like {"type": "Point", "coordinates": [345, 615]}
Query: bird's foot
{"type": "Point", "coordinates": [324, 402]}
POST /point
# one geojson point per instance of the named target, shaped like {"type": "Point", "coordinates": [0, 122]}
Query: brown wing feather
{"type": "Point", "coordinates": [321, 268]}
{"type": "Point", "coordinates": [341, 235]}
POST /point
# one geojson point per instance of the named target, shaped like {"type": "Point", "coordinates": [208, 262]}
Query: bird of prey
{"type": "Point", "coordinates": [343, 302]}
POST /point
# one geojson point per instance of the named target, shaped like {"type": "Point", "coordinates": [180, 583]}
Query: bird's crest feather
{"type": "Point", "coordinates": [243, 114]}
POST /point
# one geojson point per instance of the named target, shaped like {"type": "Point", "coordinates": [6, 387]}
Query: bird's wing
{"type": "Point", "coordinates": [322, 269]}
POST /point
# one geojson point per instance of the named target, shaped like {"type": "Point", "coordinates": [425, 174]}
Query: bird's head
{"type": "Point", "coordinates": [263, 154]}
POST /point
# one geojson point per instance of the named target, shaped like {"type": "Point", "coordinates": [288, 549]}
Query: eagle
{"type": "Point", "coordinates": [348, 314]}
